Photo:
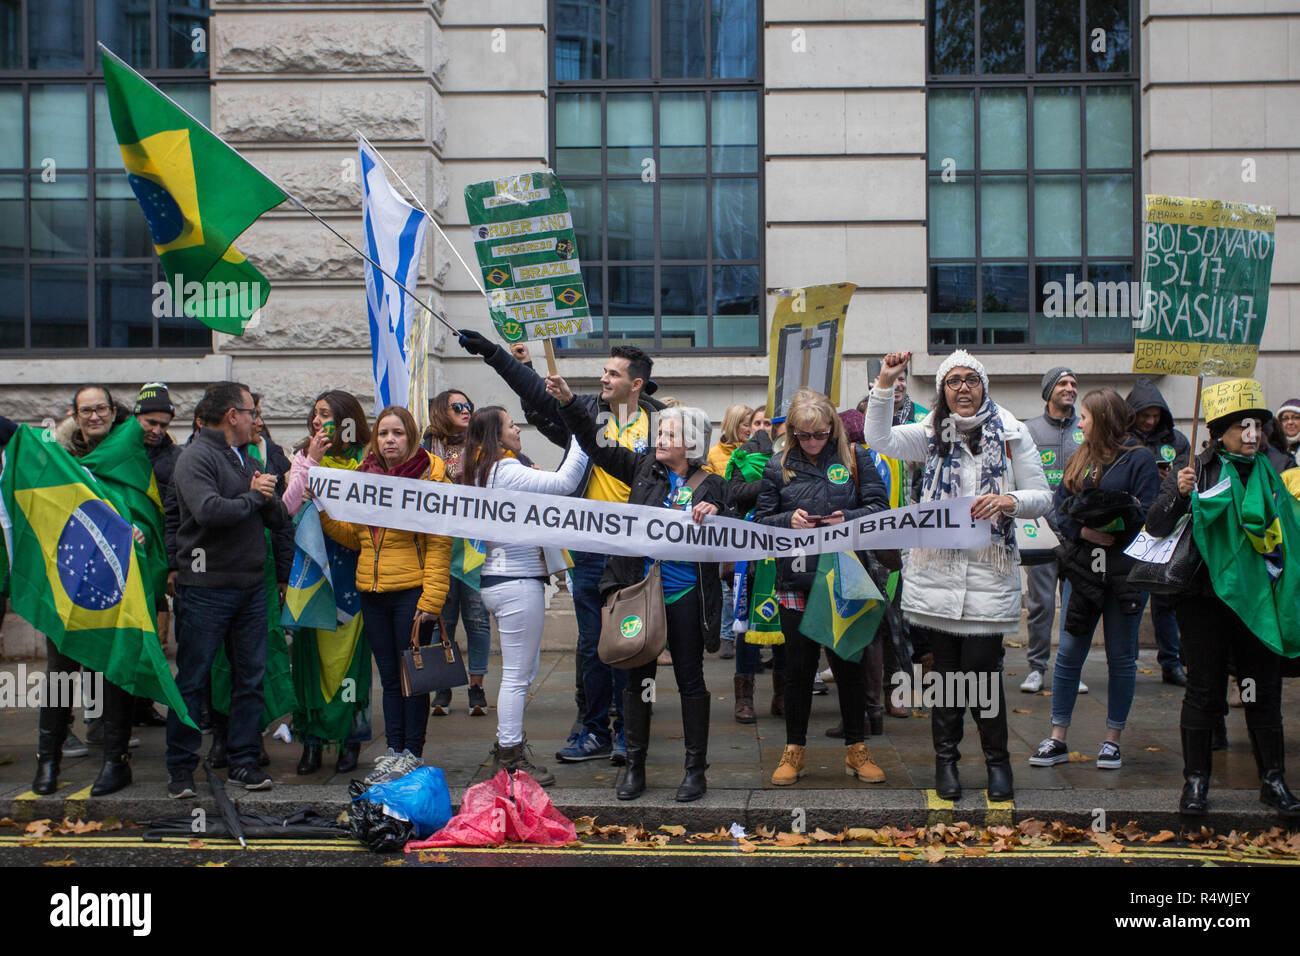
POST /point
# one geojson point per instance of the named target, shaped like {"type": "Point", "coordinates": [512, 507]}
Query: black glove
{"type": "Point", "coordinates": [476, 344]}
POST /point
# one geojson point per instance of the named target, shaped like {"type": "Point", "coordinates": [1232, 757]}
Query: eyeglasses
{"type": "Point", "coordinates": [100, 410]}
{"type": "Point", "coordinates": [810, 436]}
{"type": "Point", "coordinates": [955, 382]}
{"type": "Point", "coordinates": [462, 408]}
{"type": "Point", "coordinates": [251, 412]}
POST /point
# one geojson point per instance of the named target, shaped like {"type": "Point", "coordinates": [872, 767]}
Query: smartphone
{"type": "Point", "coordinates": [816, 520]}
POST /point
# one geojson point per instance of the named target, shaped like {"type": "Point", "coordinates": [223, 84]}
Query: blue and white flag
{"type": "Point", "coordinates": [395, 239]}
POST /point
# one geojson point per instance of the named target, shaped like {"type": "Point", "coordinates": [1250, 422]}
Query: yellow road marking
{"type": "Point", "coordinates": [1001, 813]}
{"type": "Point", "coordinates": [938, 809]}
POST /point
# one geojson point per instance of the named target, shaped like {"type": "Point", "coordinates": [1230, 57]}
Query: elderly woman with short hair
{"type": "Point", "coordinates": [668, 476]}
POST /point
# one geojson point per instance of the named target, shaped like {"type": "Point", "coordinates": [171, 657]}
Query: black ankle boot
{"type": "Point", "coordinates": [695, 726]}
{"type": "Point", "coordinates": [636, 730]}
{"type": "Point", "coordinates": [1267, 742]}
{"type": "Point", "coordinates": [348, 755]}
{"type": "Point", "coordinates": [115, 775]}
{"type": "Point", "coordinates": [1197, 749]}
{"type": "Point", "coordinates": [52, 731]}
{"type": "Point", "coordinates": [946, 726]}
{"type": "Point", "coordinates": [311, 757]}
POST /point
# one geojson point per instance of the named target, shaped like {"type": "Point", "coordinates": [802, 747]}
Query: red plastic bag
{"type": "Point", "coordinates": [501, 811]}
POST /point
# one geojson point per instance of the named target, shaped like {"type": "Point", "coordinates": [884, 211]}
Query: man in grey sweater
{"type": "Point", "coordinates": [1057, 434]}
{"type": "Point", "coordinates": [226, 504]}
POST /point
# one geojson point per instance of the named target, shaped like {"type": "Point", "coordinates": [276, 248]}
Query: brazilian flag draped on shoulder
{"type": "Point", "coordinates": [122, 466]}
{"type": "Point", "coordinates": [1249, 537]}
{"type": "Point", "coordinates": [198, 196]}
{"type": "Point", "coordinates": [75, 572]}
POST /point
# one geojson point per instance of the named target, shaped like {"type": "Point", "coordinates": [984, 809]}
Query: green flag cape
{"type": "Point", "coordinates": [844, 606]}
{"type": "Point", "coordinates": [198, 196]}
{"type": "Point", "coordinates": [122, 466]}
{"type": "Point", "coordinates": [1245, 533]}
{"type": "Point", "coordinates": [75, 570]}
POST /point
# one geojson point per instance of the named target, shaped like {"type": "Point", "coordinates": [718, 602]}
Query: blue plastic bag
{"type": "Point", "coordinates": [420, 797]}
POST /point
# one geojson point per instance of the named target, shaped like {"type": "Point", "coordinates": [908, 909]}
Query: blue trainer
{"type": "Point", "coordinates": [589, 747]}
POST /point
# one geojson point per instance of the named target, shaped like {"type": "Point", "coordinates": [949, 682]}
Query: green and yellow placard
{"type": "Point", "coordinates": [1206, 266]}
{"type": "Point", "coordinates": [528, 252]}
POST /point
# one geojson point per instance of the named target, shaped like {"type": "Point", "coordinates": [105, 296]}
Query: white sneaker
{"type": "Point", "coordinates": [383, 767]}
{"type": "Point", "coordinates": [1033, 683]}
{"type": "Point", "coordinates": [1083, 688]}
{"type": "Point", "coordinates": [406, 763]}
{"type": "Point", "coordinates": [827, 676]}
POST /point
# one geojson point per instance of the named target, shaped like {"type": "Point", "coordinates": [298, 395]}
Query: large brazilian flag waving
{"type": "Point", "coordinates": [198, 196]}
{"type": "Point", "coordinates": [75, 572]}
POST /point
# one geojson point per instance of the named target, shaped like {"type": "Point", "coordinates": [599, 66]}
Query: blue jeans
{"type": "Point", "coordinates": [213, 615]}
{"type": "Point", "coordinates": [1121, 637]}
{"type": "Point", "coordinates": [1166, 626]}
{"type": "Point", "coordinates": [728, 609]}
{"type": "Point", "coordinates": [388, 616]}
{"type": "Point", "coordinates": [466, 603]}
{"type": "Point", "coordinates": [600, 682]}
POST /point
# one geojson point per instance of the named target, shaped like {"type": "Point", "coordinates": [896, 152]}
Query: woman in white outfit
{"type": "Point", "coordinates": [514, 576]}
{"type": "Point", "coordinates": [965, 601]}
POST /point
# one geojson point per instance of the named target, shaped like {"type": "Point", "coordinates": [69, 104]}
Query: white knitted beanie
{"type": "Point", "coordinates": [963, 359]}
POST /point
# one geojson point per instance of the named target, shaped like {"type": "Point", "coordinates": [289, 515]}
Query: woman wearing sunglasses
{"type": "Point", "coordinates": [962, 602]}
{"type": "Point", "coordinates": [817, 480]}
{"type": "Point", "coordinates": [449, 415]}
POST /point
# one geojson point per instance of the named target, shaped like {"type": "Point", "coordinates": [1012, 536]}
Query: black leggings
{"type": "Point", "coordinates": [1210, 633]}
{"type": "Point", "coordinates": [802, 655]}
{"type": "Point", "coordinates": [685, 643]}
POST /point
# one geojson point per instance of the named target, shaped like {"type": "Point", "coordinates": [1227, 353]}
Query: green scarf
{"type": "Point", "coordinates": [764, 613]}
{"type": "Point", "coordinates": [1244, 533]}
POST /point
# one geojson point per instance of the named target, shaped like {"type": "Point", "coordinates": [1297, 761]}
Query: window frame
{"type": "Point", "coordinates": [1032, 81]}
{"type": "Point", "coordinates": [89, 78]}
{"type": "Point", "coordinates": [655, 85]}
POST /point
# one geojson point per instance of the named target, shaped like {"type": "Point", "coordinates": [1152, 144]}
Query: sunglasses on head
{"type": "Point", "coordinates": [462, 408]}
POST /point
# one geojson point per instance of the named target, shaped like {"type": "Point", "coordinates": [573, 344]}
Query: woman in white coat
{"type": "Point", "coordinates": [965, 601]}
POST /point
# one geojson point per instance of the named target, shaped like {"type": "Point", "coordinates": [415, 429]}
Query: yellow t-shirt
{"type": "Point", "coordinates": [1292, 479]}
{"type": "Point", "coordinates": [605, 487]}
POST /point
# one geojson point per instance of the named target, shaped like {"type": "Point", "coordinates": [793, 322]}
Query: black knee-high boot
{"type": "Point", "coordinates": [695, 726]}
{"type": "Point", "coordinates": [52, 732]}
{"type": "Point", "coordinates": [946, 727]}
{"type": "Point", "coordinates": [636, 730]}
{"type": "Point", "coordinates": [993, 738]}
{"type": "Point", "coordinates": [1198, 748]}
{"type": "Point", "coordinates": [116, 772]}
{"type": "Point", "coordinates": [1267, 743]}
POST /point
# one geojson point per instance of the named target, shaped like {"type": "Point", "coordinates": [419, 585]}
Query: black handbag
{"type": "Point", "coordinates": [1176, 576]}
{"type": "Point", "coordinates": [429, 665]}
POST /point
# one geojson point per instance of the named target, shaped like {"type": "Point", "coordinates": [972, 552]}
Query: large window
{"type": "Point", "coordinates": [77, 265]}
{"type": "Point", "coordinates": [1032, 170]}
{"type": "Point", "coordinates": [655, 132]}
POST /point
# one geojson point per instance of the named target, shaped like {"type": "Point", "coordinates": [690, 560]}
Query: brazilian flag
{"type": "Point", "coordinates": [76, 572]}
{"type": "Point", "coordinates": [198, 196]}
{"type": "Point", "coordinates": [467, 557]}
{"type": "Point", "coordinates": [844, 606]}
{"type": "Point", "coordinates": [764, 625]}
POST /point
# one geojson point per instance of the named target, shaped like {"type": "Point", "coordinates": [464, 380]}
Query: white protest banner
{"type": "Point", "coordinates": [1153, 550]}
{"type": "Point", "coordinates": [551, 521]}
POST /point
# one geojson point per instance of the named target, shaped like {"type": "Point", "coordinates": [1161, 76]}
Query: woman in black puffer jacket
{"type": "Point", "coordinates": [663, 477]}
{"type": "Point", "coordinates": [817, 480]}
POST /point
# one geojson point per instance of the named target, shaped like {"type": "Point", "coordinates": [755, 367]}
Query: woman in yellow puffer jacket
{"type": "Point", "coordinates": [403, 578]}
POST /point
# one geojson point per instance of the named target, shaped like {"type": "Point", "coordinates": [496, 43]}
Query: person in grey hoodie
{"type": "Point", "coordinates": [1056, 433]}
{"type": "Point", "coordinates": [1153, 425]}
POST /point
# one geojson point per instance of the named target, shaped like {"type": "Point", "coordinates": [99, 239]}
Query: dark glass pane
{"type": "Point", "coordinates": [186, 34]}
{"type": "Point", "coordinates": [629, 220]}
{"type": "Point", "coordinates": [1109, 51]}
{"type": "Point", "coordinates": [124, 27]}
{"type": "Point", "coordinates": [627, 39]}
{"type": "Point", "coordinates": [11, 127]}
{"type": "Point", "coordinates": [13, 225]}
{"type": "Point", "coordinates": [735, 132]}
{"type": "Point", "coordinates": [1057, 26]}
{"type": "Point", "coordinates": [682, 133]}
{"type": "Point", "coordinates": [1002, 36]}
{"type": "Point", "coordinates": [952, 37]}
{"type": "Point", "coordinates": [632, 305]}
{"type": "Point", "coordinates": [11, 306]}
{"type": "Point", "coordinates": [1116, 300]}
{"type": "Point", "coordinates": [683, 206]}
{"type": "Point", "coordinates": [11, 39]}
{"type": "Point", "coordinates": [120, 229]}
{"type": "Point", "coordinates": [59, 220]}
{"type": "Point", "coordinates": [682, 41]}
{"type": "Point", "coordinates": [124, 306]}
{"type": "Point", "coordinates": [736, 309]}
{"type": "Point", "coordinates": [59, 307]}
{"type": "Point", "coordinates": [182, 332]}
{"type": "Point", "coordinates": [735, 219]}
{"type": "Point", "coordinates": [629, 132]}
{"type": "Point", "coordinates": [577, 134]}
{"type": "Point", "coordinates": [56, 34]}
{"type": "Point", "coordinates": [58, 121]}
{"type": "Point", "coordinates": [1005, 307]}
{"type": "Point", "coordinates": [1055, 321]}
{"type": "Point", "coordinates": [683, 299]}
{"type": "Point", "coordinates": [735, 38]}
{"type": "Point", "coordinates": [952, 305]}
{"type": "Point", "coordinates": [584, 206]}
{"type": "Point", "coordinates": [577, 39]}
{"type": "Point", "coordinates": [592, 280]}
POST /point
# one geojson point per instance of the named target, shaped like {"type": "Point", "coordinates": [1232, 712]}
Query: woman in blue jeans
{"type": "Point", "coordinates": [1108, 466]}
